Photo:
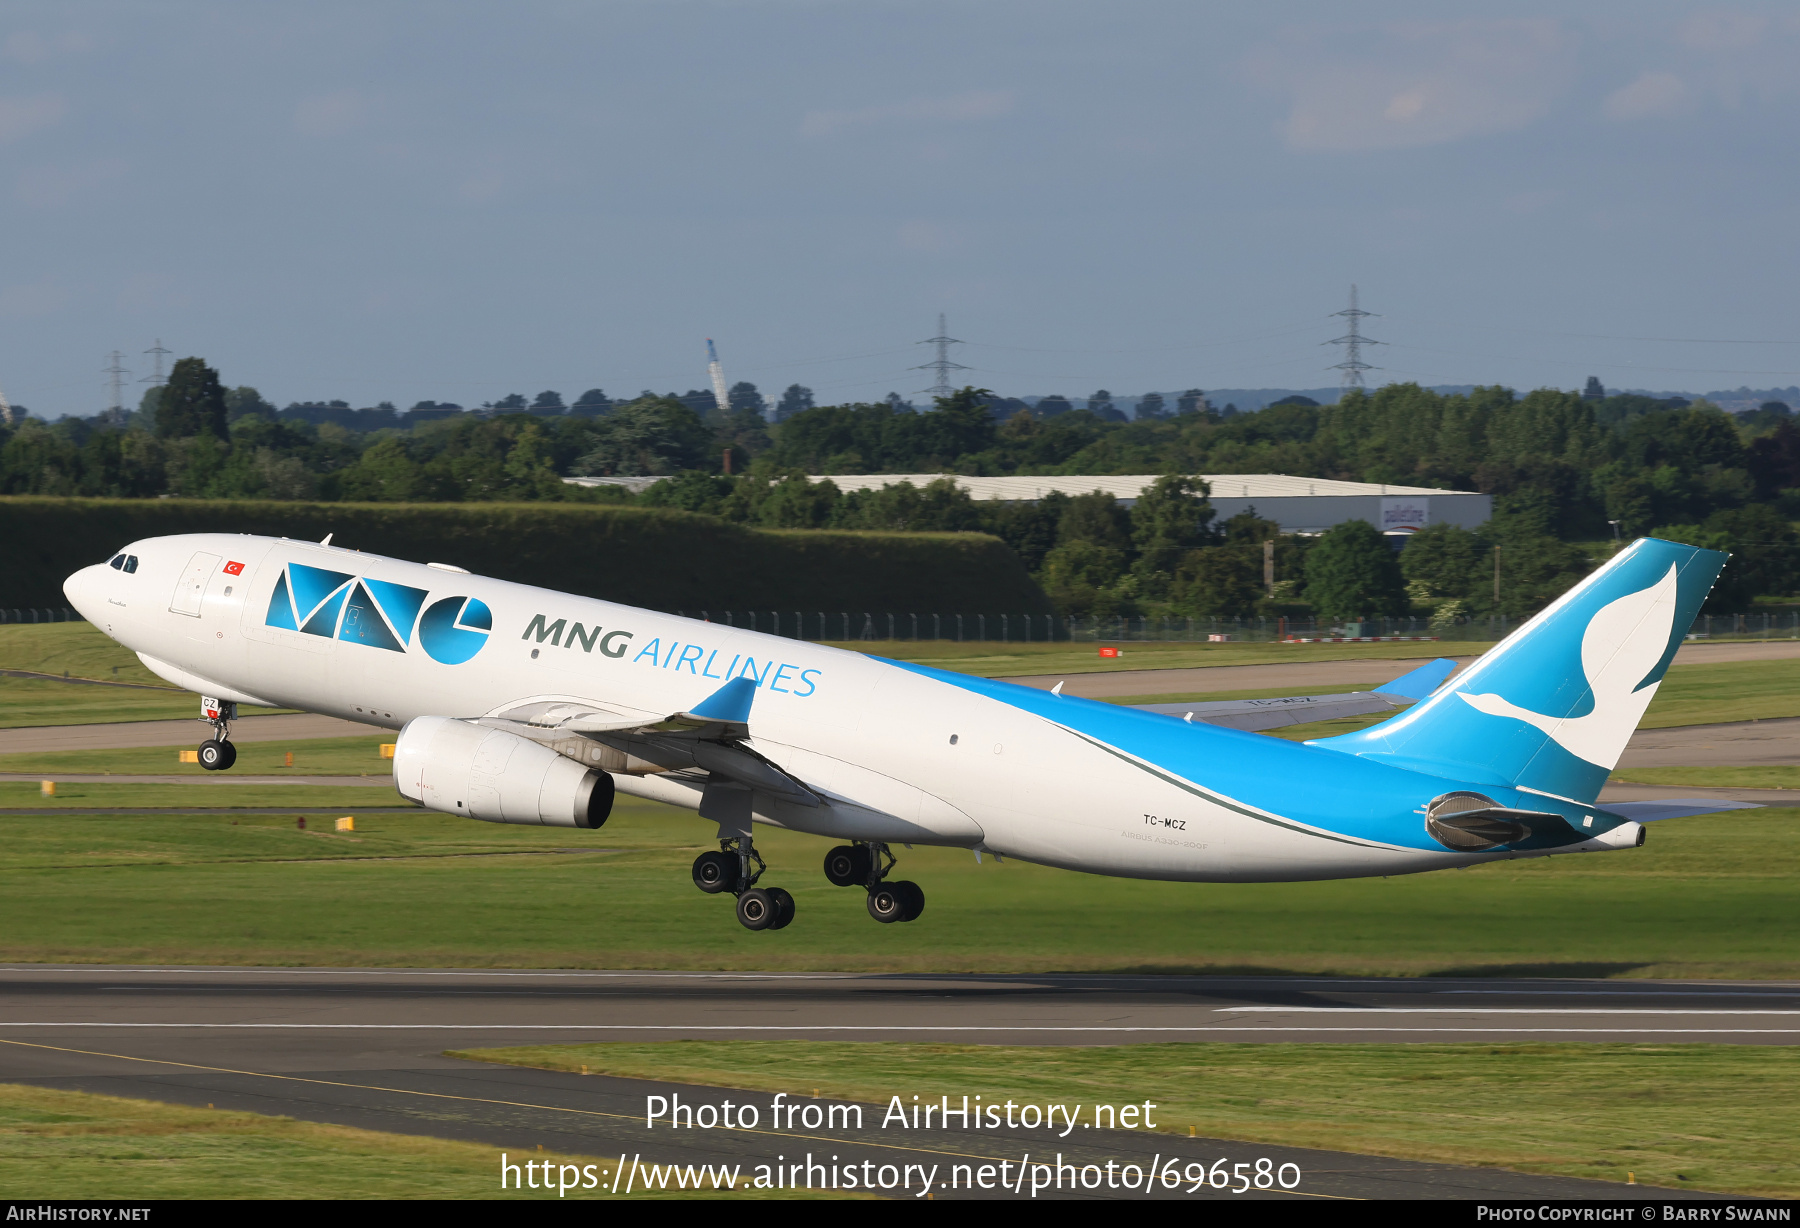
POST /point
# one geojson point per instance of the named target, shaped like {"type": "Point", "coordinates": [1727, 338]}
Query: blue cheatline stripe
{"type": "Point", "coordinates": [1218, 799]}
{"type": "Point", "coordinates": [1302, 788]}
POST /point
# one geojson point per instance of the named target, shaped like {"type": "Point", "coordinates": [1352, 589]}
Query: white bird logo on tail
{"type": "Point", "coordinates": [1622, 644]}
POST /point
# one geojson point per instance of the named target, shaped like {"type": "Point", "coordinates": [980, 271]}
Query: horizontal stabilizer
{"type": "Point", "coordinates": [1420, 682]}
{"type": "Point", "coordinates": [1253, 715]}
{"type": "Point", "coordinates": [1675, 808]}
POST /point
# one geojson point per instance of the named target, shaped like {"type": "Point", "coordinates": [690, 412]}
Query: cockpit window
{"type": "Point", "coordinates": [130, 563]}
{"type": "Point", "coordinates": [118, 561]}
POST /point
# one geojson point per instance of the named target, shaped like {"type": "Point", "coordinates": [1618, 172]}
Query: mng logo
{"type": "Point", "coordinates": [454, 629]}
{"type": "Point", "coordinates": [376, 613]}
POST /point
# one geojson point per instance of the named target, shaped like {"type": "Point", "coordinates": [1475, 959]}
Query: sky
{"type": "Point", "coordinates": [454, 201]}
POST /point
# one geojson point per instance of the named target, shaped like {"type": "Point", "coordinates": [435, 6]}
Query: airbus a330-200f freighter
{"type": "Point", "coordinates": [525, 705]}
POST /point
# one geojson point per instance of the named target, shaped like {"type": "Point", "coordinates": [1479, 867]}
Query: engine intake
{"type": "Point", "coordinates": [464, 769]}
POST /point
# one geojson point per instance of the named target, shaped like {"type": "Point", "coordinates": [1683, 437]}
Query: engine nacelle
{"type": "Point", "coordinates": [470, 770]}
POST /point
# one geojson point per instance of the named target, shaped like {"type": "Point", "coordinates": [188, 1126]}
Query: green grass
{"type": "Point", "coordinates": [31, 701]}
{"type": "Point", "coordinates": [25, 795]}
{"type": "Point", "coordinates": [79, 649]}
{"type": "Point", "coordinates": [358, 756]}
{"type": "Point", "coordinates": [1764, 777]}
{"type": "Point", "coordinates": [79, 841]}
{"type": "Point", "coordinates": [1709, 1117]}
{"type": "Point", "coordinates": [82, 651]}
{"type": "Point", "coordinates": [1728, 691]}
{"type": "Point", "coordinates": [1191, 697]}
{"type": "Point", "coordinates": [1707, 897]}
{"type": "Point", "coordinates": [72, 1145]}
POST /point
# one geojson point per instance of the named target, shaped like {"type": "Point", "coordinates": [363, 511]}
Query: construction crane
{"type": "Point", "coordinates": [714, 369]}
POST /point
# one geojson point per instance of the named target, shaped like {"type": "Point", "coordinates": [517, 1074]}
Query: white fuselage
{"type": "Point", "coordinates": [899, 755]}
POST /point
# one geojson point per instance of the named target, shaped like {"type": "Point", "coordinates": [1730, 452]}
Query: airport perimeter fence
{"type": "Point", "coordinates": [843, 627]}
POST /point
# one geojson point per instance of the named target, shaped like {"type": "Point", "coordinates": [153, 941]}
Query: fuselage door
{"type": "Point", "coordinates": [192, 586]}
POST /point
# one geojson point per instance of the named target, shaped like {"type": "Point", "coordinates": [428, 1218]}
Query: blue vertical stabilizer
{"type": "Point", "coordinates": [1552, 706]}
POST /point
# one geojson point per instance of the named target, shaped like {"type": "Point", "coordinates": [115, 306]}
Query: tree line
{"type": "Point", "coordinates": [1568, 474]}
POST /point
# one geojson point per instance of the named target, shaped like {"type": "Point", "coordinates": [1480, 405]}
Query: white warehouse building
{"type": "Point", "coordinates": [1298, 505]}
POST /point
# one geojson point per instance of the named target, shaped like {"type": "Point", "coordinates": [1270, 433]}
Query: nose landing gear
{"type": "Point", "coordinates": [216, 753]}
{"type": "Point", "coordinates": [867, 864]}
{"type": "Point", "coordinates": [730, 869]}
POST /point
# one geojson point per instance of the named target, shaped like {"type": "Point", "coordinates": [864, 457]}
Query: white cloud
{"type": "Point", "coordinates": [23, 116]}
{"type": "Point", "coordinates": [1418, 84]}
{"type": "Point", "coordinates": [957, 108]}
{"type": "Point", "coordinates": [1717, 58]}
{"type": "Point", "coordinates": [1652, 94]}
{"type": "Point", "coordinates": [329, 114]}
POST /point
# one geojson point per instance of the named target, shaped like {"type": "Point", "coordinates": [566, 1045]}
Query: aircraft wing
{"type": "Point", "coordinates": [1258, 714]}
{"type": "Point", "coordinates": [711, 737]}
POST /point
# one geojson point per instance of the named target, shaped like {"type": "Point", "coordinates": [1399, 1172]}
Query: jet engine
{"type": "Point", "coordinates": [480, 773]}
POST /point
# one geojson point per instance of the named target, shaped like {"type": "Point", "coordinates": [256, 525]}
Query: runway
{"type": "Point", "coordinates": [365, 1048]}
{"type": "Point", "coordinates": [1739, 744]}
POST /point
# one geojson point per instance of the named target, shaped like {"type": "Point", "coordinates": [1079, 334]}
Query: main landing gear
{"type": "Point", "coordinates": [216, 753]}
{"type": "Point", "coordinates": [867, 864]}
{"type": "Point", "coordinates": [735, 868]}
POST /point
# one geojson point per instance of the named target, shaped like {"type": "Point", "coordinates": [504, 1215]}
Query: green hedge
{"type": "Point", "coordinates": [654, 557]}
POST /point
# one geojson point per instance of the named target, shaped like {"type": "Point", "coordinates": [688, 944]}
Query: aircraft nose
{"type": "Point", "coordinates": [86, 590]}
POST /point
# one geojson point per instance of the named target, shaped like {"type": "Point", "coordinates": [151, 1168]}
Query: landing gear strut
{"type": "Point", "coordinates": [216, 753]}
{"type": "Point", "coordinates": [867, 864]}
{"type": "Point", "coordinates": [735, 868]}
